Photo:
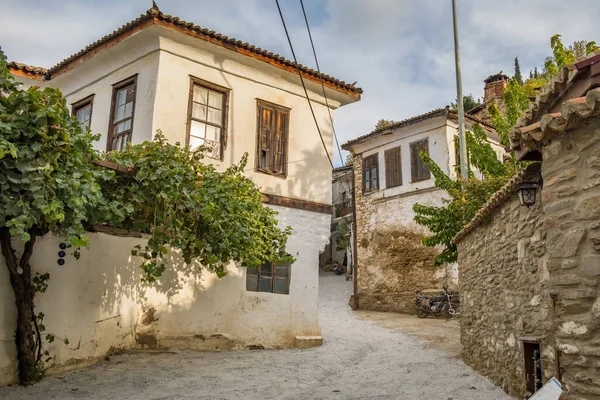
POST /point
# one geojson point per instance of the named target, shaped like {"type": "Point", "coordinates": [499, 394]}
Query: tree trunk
{"type": "Point", "coordinates": [20, 280]}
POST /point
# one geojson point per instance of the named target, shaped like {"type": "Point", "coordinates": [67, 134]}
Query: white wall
{"type": "Point", "coordinates": [309, 171]}
{"type": "Point", "coordinates": [98, 300]}
{"type": "Point", "coordinates": [433, 129]}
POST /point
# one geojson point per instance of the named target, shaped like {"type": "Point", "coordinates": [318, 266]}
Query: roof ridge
{"type": "Point", "coordinates": [155, 14]}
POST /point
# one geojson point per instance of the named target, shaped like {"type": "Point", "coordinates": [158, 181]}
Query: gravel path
{"type": "Point", "coordinates": [359, 360]}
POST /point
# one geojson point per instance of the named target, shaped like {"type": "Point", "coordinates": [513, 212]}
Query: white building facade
{"type": "Point", "coordinates": [390, 178]}
{"type": "Point", "coordinates": [198, 87]}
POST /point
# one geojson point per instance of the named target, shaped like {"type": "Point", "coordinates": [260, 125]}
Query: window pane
{"type": "Point", "coordinates": [251, 271]}
{"type": "Point", "coordinates": [198, 129]}
{"type": "Point", "coordinates": [123, 126]}
{"type": "Point", "coordinates": [252, 283]}
{"type": "Point", "coordinates": [195, 142]}
{"type": "Point", "coordinates": [121, 96]}
{"type": "Point", "coordinates": [215, 99]}
{"type": "Point", "coordinates": [128, 109]}
{"type": "Point", "coordinates": [199, 111]}
{"type": "Point", "coordinates": [214, 116]}
{"type": "Point", "coordinates": [213, 133]}
{"type": "Point", "coordinates": [266, 269]}
{"type": "Point", "coordinates": [281, 286]}
{"type": "Point", "coordinates": [200, 94]}
{"type": "Point", "coordinates": [119, 113]}
{"type": "Point", "coordinates": [264, 284]}
{"type": "Point", "coordinates": [282, 270]}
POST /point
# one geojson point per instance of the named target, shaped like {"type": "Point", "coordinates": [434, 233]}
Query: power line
{"type": "Point", "coordinates": [322, 85]}
{"type": "Point", "coordinates": [302, 81]}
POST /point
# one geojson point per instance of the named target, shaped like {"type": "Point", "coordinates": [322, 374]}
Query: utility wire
{"type": "Point", "coordinates": [302, 81]}
{"type": "Point", "coordinates": [322, 85]}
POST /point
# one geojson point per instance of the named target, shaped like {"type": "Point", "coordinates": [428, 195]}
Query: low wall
{"type": "Point", "coordinates": [99, 303]}
{"type": "Point", "coordinates": [504, 295]}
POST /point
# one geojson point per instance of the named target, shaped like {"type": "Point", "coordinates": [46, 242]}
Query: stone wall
{"type": "Point", "coordinates": [392, 261]}
{"type": "Point", "coordinates": [571, 203]}
{"type": "Point", "coordinates": [504, 295]}
{"type": "Point", "coordinates": [534, 274]}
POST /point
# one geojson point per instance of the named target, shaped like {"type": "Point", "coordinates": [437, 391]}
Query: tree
{"type": "Point", "coordinates": [518, 76]}
{"type": "Point", "coordinates": [349, 159]}
{"type": "Point", "coordinates": [384, 123]}
{"type": "Point", "coordinates": [535, 72]}
{"type": "Point", "coordinates": [469, 103]}
{"type": "Point", "coordinates": [49, 183]}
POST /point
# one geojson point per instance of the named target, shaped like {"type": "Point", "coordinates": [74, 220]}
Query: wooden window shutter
{"type": "Point", "coordinates": [419, 170]}
{"type": "Point", "coordinates": [393, 167]}
{"type": "Point", "coordinates": [370, 173]}
{"type": "Point", "coordinates": [272, 146]}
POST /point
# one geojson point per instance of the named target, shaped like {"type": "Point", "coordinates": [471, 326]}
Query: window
{"type": "Point", "coordinates": [82, 110]}
{"type": "Point", "coordinates": [370, 173]}
{"type": "Point", "coordinates": [207, 117]}
{"type": "Point", "coordinates": [393, 167]}
{"type": "Point", "coordinates": [419, 171]}
{"type": "Point", "coordinates": [269, 277]}
{"type": "Point", "coordinates": [272, 138]}
{"type": "Point", "coordinates": [121, 115]}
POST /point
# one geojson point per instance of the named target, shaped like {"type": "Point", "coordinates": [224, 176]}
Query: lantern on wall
{"type": "Point", "coordinates": [532, 181]}
{"type": "Point", "coordinates": [527, 192]}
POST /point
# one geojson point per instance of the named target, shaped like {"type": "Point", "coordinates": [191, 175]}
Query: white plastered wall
{"type": "Point", "coordinates": [97, 301]}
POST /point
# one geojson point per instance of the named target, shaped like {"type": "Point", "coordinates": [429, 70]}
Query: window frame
{"type": "Point", "coordinates": [416, 157]}
{"type": "Point", "coordinates": [374, 156]}
{"type": "Point", "coordinates": [111, 124]}
{"type": "Point", "coordinates": [78, 105]}
{"type": "Point", "coordinates": [387, 154]}
{"type": "Point", "coordinates": [224, 117]}
{"type": "Point", "coordinates": [285, 137]}
{"type": "Point", "coordinates": [273, 278]}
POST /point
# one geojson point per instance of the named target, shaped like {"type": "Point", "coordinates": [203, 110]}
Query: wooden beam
{"type": "Point", "coordinates": [289, 202]}
{"type": "Point", "coordinates": [114, 167]}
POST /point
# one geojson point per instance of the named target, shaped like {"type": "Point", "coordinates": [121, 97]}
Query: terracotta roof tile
{"type": "Point", "coordinates": [574, 113]}
{"type": "Point", "coordinates": [154, 14]}
{"type": "Point", "coordinates": [28, 69]}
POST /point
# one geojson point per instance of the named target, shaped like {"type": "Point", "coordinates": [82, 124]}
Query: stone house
{"type": "Point", "coordinates": [530, 291]}
{"type": "Point", "coordinates": [197, 86]}
{"type": "Point", "coordinates": [390, 177]}
{"type": "Point", "coordinates": [342, 201]}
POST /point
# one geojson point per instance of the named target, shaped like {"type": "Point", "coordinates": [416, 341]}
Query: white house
{"type": "Point", "coordinates": [390, 177]}
{"type": "Point", "coordinates": [197, 86]}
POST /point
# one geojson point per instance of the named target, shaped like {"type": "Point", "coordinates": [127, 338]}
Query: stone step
{"type": "Point", "coordinates": [306, 342]}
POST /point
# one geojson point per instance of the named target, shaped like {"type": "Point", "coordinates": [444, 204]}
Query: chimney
{"type": "Point", "coordinates": [494, 85]}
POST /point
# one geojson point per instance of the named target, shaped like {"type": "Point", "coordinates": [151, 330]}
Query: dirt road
{"type": "Point", "coordinates": [362, 358]}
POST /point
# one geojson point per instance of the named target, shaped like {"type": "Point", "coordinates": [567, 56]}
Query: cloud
{"type": "Point", "coordinates": [400, 52]}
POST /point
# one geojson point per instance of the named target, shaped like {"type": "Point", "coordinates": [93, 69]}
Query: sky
{"type": "Point", "coordinates": [401, 52]}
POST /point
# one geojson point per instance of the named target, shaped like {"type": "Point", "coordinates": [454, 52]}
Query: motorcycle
{"type": "Point", "coordinates": [337, 269]}
{"type": "Point", "coordinates": [436, 305]}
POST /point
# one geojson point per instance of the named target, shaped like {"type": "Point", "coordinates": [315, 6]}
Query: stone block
{"type": "Point", "coordinates": [574, 294]}
{"type": "Point", "coordinates": [588, 208]}
{"type": "Point", "coordinates": [564, 244]}
{"type": "Point", "coordinates": [567, 280]}
{"type": "Point", "coordinates": [555, 206]}
{"type": "Point", "coordinates": [561, 177]}
{"type": "Point", "coordinates": [307, 342]}
{"type": "Point", "coordinates": [596, 308]}
{"type": "Point", "coordinates": [568, 264]}
{"type": "Point", "coordinates": [591, 265]}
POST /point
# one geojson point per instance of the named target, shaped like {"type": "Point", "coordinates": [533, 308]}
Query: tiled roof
{"type": "Point", "coordinates": [413, 120]}
{"type": "Point", "coordinates": [28, 69]}
{"type": "Point", "coordinates": [493, 203]}
{"type": "Point", "coordinates": [496, 77]}
{"type": "Point", "coordinates": [154, 15]}
{"type": "Point", "coordinates": [574, 113]}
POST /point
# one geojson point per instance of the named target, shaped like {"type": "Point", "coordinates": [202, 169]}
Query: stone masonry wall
{"type": "Point", "coordinates": [392, 261]}
{"type": "Point", "coordinates": [504, 296]}
{"type": "Point", "coordinates": [571, 204]}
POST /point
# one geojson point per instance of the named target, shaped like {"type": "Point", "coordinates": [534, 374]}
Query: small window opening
{"type": "Point", "coordinates": [533, 366]}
